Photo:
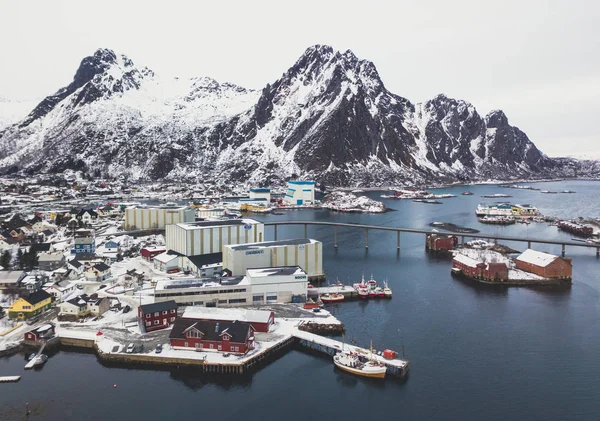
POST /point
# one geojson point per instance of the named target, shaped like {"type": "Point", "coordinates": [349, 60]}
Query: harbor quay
{"type": "Point", "coordinates": [285, 334]}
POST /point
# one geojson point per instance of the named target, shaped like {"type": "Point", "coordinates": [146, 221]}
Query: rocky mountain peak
{"type": "Point", "coordinates": [496, 119]}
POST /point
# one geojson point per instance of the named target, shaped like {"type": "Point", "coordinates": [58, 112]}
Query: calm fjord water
{"type": "Point", "coordinates": [477, 352]}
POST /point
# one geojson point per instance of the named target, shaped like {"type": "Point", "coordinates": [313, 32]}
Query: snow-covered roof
{"type": "Point", "coordinates": [227, 314]}
{"type": "Point", "coordinates": [165, 257]}
{"type": "Point", "coordinates": [466, 260]}
{"type": "Point", "coordinates": [537, 258]}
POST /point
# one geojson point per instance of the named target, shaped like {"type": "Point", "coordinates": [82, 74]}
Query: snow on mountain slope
{"type": "Point", "coordinates": [329, 118]}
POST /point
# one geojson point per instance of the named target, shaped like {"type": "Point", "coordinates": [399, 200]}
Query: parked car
{"type": "Point", "coordinates": [126, 309]}
{"type": "Point", "coordinates": [102, 286]}
{"type": "Point", "coordinates": [138, 348]}
{"type": "Point", "coordinates": [33, 320]}
{"type": "Point", "coordinates": [158, 349]}
{"type": "Point", "coordinates": [79, 286]}
{"type": "Point", "coordinates": [130, 348]}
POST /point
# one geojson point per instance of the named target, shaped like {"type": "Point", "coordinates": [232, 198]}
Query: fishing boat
{"type": "Point", "coordinates": [387, 291]}
{"type": "Point", "coordinates": [379, 292]}
{"type": "Point", "coordinates": [363, 289]}
{"type": "Point", "coordinates": [467, 193]}
{"type": "Point", "coordinates": [332, 298]}
{"type": "Point", "coordinates": [352, 363]}
{"type": "Point", "coordinates": [497, 220]}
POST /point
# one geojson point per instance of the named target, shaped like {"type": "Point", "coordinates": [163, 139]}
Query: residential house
{"type": "Point", "coordinates": [41, 247]}
{"type": "Point", "coordinates": [33, 283]}
{"type": "Point", "coordinates": [87, 216]}
{"type": "Point", "coordinates": [34, 305]}
{"type": "Point", "coordinates": [10, 244]}
{"type": "Point", "coordinates": [231, 337]}
{"type": "Point", "coordinates": [84, 305]}
{"type": "Point", "coordinates": [10, 279]}
{"type": "Point", "coordinates": [158, 315]}
{"type": "Point", "coordinates": [112, 246]}
{"type": "Point", "coordinates": [50, 261]}
{"type": "Point", "coordinates": [97, 272]}
{"type": "Point", "coordinates": [60, 290]}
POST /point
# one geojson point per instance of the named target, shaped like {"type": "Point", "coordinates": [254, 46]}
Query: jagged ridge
{"type": "Point", "coordinates": [329, 117]}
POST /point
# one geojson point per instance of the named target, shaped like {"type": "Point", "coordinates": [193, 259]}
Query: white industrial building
{"type": "Point", "coordinates": [300, 192]}
{"type": "Point", "coordinates": [223, 292]}
{"type": "Point", "coordinates": [260, 193]}
{"type": "Point", "coordinates": [304, 252]}
{"type": "Point", "coordinates": [277, 285]}
{"type": "Point", "coordinates": [141, 217]}
{"type": "Point", "coordinates": [191, 239]}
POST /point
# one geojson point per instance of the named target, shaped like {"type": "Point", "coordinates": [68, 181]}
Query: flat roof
{"type": "Point", "coordinates": [300, 182]}
{"type": "Point", "coordinates": [265, 244]}
{"type": "Point", "coordinates": [228, 314]}
{"type": "Point", "coordinates": [537, 258]}
{"type": "Point", "coordinates": [173, 284]}
{"type": "Point", "coordinates": [275, 271]}
{"type": "Point", "coordinates": [209, 224]}
{"type": "Point", "coordinates": [176, 207]}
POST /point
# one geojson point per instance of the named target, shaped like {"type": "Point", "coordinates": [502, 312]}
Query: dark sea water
{"type": "Point", "coordinates": [477, 352]}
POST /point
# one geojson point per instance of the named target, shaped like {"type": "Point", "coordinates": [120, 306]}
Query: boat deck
{"type": "Point", "coordinates": [397, 367]}
{"type": "Point", "coordinates": [7, 379]}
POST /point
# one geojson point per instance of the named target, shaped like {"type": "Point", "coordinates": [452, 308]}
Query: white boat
{"type": "Point", "coordinates": [387, 291]}
{"type": "Point", "coordinates": [351, 362]}
{"type": "Point", "coordinates": [36, 361]}
{"type": "Point", "coordinates": [332, 298]}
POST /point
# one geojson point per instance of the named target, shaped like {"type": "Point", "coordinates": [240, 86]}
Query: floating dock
{"type": "Point", "coordinates": [348, 292]}
{"type": "Point", "coordinates": [9, 379]}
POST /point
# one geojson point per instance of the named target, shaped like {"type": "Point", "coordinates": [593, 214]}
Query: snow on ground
{"type": "Point", "coordinates": [349, 202]}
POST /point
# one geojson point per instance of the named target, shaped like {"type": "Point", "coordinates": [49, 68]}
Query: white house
{"type": "Point", "coordinates": [166, 262]}
{"type": "Point", "coordinates": [97, 272]}
{"type": "Point", "coordinates": [60, 290]}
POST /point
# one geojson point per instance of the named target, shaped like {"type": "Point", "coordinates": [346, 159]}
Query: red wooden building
{"type": "Point", "coordinates": [261, 320]}
{"type": "Point", "coordinates": [544, 264]}
{"type": "Point", "coordinates": [43, 332]}
{"type": "Point", "coordinates": [441, 242]}
{"type": "Point", "coordinates": [204, 335]}
{"type": "Point", "coordinates": [479, 270]}
{"type": "Point", "coordinates": [148, 253]}
{"type": "Point", "coordinates": [158, 315]}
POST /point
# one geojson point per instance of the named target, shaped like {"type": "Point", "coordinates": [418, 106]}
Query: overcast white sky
{"type": "Point", "coordinates": [539, 61]}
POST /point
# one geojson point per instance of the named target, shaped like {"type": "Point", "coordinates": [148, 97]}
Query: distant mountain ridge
{"type": "Point", "coordinates": [329, 118]}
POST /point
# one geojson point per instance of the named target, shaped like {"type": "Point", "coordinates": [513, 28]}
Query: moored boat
{"type": "Point", "coordinates": [37, 361]}
{"type": "Point", "coordinates": [332, 298]}
{"type": "Point", "coordinates": [467, 193]}
{"type": "Point", "coordinates": [351, 363]}
{"type": "Point", "coordinates": [387, 291]}
{"type": "Point", "coordinates": [379, 292]}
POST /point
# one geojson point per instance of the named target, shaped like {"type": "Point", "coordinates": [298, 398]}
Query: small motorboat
{"type": "Point", "coordinates": [332, 298]}
{"type": "Point", "coordinates": [467, 193]}
{"type": "Point", "coordinates": [37, 361]}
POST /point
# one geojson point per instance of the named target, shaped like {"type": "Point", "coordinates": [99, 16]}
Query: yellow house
{"type": "Point", "coordinates": [26, 308]}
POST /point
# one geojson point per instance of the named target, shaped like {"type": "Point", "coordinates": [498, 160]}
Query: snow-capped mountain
{"type": "Point", "coordinates": [329, 117]}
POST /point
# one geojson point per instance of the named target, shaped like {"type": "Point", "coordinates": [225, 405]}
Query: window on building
{"type": "Point", "coordinates": [156, 322]}
{"type": "Point", "coordinates": [219, 347]}
{"type": "Point", "coordinates": [173, 311]}
{"type": "Point", "coordinates": [197, 345]}
{"type": "Point", "coordinates": [172, 319]}
{"type": "Point", "coordinates": [185, 344]}
{"type": "Point", "coordinates": [164, 312]}
{"type": "Point", "coordinates": [222, 301]}
{"type": "Point", "coordinates": [156, 314]}
{"type": "Point", "coordinates": [211, 346]}
{"type": "Point", "coordinates": [148, 323]}
{"type": "Point", "coordinates": [148, 316]}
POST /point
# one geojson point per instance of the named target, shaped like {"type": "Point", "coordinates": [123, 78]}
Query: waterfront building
{"type": "Point", "coordinates": [43, 332]}
{"type": "Point", "coordinates": [479, 270]}
{"type": "Point", "coordinates": [34, 305]}
{"type": "Point", "coordinates": [303, 252]}
{"type": "Point", "coordinates": [192, 239]}
{"type": "Point", "coordinates": [260, 193]}
{"type": "Point", "coordinates": [525, 210]}
{"type": "Point", "coordinates": [300, 192]}
{"type": "Point", "coordinates": [142, 217]}
{"type": "Point", "coordinates": [222, 292]}
{"type": "Point", "coordinates": [157, 315]}
{"type": "Point", "coordinates": [544, 264]}
{"type": "Point", "coordinates": [278, 284]}
{"type": "Point", "coordinates": [261, 320]}
{"type": "Point", "coordinates": [440, 242]}
{"type": "Point", "coordinates": [231, 337]}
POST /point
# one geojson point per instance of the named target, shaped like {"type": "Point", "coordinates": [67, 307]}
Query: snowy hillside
{"type": "Point", "coordinates": [329, 118]}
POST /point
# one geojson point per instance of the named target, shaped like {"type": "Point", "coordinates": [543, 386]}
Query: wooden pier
{"type": "Point", "coordinates": [396, 367]}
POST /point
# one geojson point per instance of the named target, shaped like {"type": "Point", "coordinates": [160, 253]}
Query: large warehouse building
{"type": "Point", "coordinates": [277, 285]}
{"type": "Point", "coordinates": [304, 252]}
{"type": "Point", "coordinates": [139, 217]}
{"type": "Point", "coordinates": [300, 192]}
{"type": "Point", "coordinates": [192, 239]}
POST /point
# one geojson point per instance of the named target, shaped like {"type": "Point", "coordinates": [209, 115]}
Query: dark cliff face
{"type": "Point", "coordinates": [329, 117]}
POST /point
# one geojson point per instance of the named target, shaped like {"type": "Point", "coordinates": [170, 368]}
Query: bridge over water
{"type": "Point", "coordinates": [398, 231]}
